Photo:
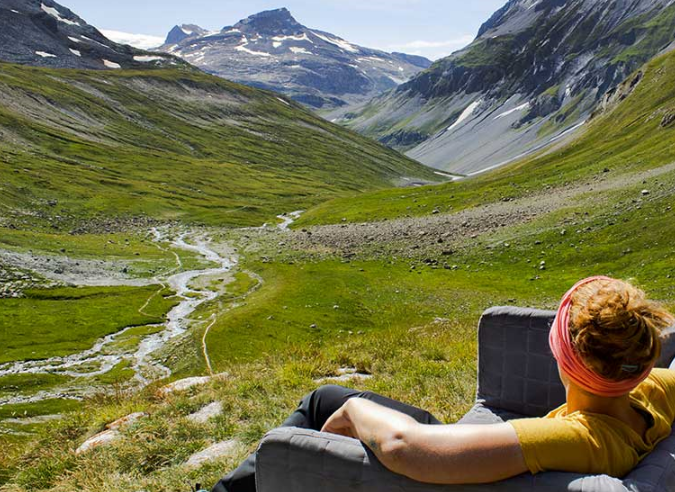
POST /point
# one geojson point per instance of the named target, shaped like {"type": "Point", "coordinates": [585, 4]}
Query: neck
{"type": "Point", "coordinates": [579, 400]}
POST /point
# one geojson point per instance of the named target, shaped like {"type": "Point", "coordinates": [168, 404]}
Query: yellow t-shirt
{"type": "Point", "coordinates": [591, 443]}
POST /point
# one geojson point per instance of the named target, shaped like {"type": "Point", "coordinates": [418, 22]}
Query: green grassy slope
{"type": "Point", "coordinates": [32, 328]}
{"type": "Point", "coordinates": [632, 136]}
{"type": "Point", "coordinates": [173, 144]}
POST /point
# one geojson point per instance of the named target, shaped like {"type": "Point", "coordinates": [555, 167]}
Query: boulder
{"type": "Point", "coordinates": [111, 434]}
{"type": "Point", "coordinates": [207, 413]}
{"type": "Point", "coordinates": [214, 452]}
{"type": "Point", "coordinates": [187, 383]}
{"type": "Point", "coordinates": [344, 374]}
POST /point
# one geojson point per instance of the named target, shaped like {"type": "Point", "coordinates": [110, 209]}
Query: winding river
{"type": "Point", "coordinates": [101, 359]}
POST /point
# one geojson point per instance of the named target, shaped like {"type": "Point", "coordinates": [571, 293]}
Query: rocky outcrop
{"type": "Point", "coordinates": [272, 50]}
{"type": "Point", "coordinates": [180, 33]}
{"type": "Point", "coordinates": [112, 433]}
{"type": "Point", "coordinates": [216, 451]}
{"type": "Point", "coordinates": [188, 383]}
{"type": "Point", "coordinates": [46, 34]}
{"type": "Point", "coordinates": [206, 413]}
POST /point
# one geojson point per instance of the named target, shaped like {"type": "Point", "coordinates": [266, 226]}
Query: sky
{"type": "Point", "coordinates": [432, 28]}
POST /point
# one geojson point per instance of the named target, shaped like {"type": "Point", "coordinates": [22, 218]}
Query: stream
{"type": "Point", "coordinates": [101, 359]}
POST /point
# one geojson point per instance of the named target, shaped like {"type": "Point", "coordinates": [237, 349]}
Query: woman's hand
{"type": "Point", "coordinates": [340, 423]}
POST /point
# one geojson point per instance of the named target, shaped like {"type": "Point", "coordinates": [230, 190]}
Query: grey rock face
{"type": "Point", "coordinates": [271, 50]}
{"type": "Point", "coordinates": [535, 72]}
{"type": "Point", "coordinates": [179, 33]}
{"type": "Point", "coordinates": [46, 34]}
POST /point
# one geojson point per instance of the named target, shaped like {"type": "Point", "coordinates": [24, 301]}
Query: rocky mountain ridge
{"type": "Point", "coordinates": [46, 34]}
{"type": "Point", "coordinates": [272, 50]}
{"type": "Point", "coordinates": [533, 75]}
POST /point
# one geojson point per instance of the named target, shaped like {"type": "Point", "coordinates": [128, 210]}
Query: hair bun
{"type": "Point", "coordinates": [615, 329]}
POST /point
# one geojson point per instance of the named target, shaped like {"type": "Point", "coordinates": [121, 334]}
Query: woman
{"type": "Point", "coordinates": [605, 339]}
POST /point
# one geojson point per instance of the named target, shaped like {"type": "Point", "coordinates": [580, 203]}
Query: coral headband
{"type": "Point", "coordinates": [569, 360]}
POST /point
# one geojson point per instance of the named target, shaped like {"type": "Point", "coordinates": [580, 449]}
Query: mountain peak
{"type": "Point", "coordinates": [179, 33]}
{"type": "Point", "coordinates": [278, 21]}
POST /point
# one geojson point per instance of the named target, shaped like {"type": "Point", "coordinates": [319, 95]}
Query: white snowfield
{"type": "Point", "coordinates": [297, 50]}
{"type": "Point", "coordinates": [465, 114]}
{"type": "Point", "coordinates": [147, 59]}
{"type": "Point", "coordinates": [243, 48]}
{"type": "Point", "coordinates": [75, 52]}
{"type": "Point", "coordinates": [44, 54]}
{"type": "Point", "coordinates": [111, 64]}
{"type": "Point", "coordinates": [74, 40]}
{"type": "Point", "coordinates": [340, 43]}
{"type": "Point", "coordinates": [522, 107]}
{"type": "Point", "coordinates": [57, 15]}
{"type": "Point", "coordinates": [300, 37]}
{"type": "Point", "coordinates": [97, 42]}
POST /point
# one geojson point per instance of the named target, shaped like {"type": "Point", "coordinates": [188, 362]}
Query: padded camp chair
{"type": "Point", "coordinates": [517, 377]}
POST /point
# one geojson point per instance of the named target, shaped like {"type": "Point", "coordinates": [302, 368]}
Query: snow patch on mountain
{"type": "Point", "coordinates": [148, 58]}
{"type": "Point", "coordinates": [297, 50]}
{"type": "Point", "coordinates": [465, 114]}
{"type": "Point", "coordinates": [111, 64]}
{"type": "Point", "coordinates": [57, 15]}
{"type": "Point", "coordinates": [340, 43]}
{"type": "Point", "coordinates": [522, 107]}
{"type": "Point", "coordinates": [244, 49]}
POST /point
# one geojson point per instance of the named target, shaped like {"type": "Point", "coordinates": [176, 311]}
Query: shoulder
{"type": "Point", "coordinates": [663, 378]}
{"type": "Point", "coordinates": [658, 393]}
{"type": "Point", "coordinates": [579, 443]}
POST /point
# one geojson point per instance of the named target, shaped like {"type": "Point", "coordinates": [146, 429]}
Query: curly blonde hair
{"type": "Point", "coordinates": [616, 329]}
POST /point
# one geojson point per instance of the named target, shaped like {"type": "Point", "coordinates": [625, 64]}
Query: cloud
{"type": "Point", "coordinates": [434, 49]}
{"type": "Point", "coordinates": [141, 41]}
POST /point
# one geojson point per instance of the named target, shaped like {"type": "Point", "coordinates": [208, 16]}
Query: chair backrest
{"type": "Point", "coordinates": [516, 370]}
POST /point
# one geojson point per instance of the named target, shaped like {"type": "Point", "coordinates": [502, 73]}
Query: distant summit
{"type": "Point", "coordinates": [179, 33]}
{"type": "Point", "coordinates": [271, 22]}
{"type": "Point", "coordinates": [272, 50]}
{"type": "Point", "coordinates": [46, 34]}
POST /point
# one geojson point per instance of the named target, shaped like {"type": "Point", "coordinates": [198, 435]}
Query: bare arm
{"type": "Point", "coordinates": [439, 454]}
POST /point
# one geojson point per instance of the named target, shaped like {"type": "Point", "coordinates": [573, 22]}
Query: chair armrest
{"type": "Point", "coordinates": [301, 460]}
{"type": "Point", "coordinates": [516, 370]}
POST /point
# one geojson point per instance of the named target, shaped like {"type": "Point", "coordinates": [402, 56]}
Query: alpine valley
{"type": "Point", "coordinates": [183, 257]}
